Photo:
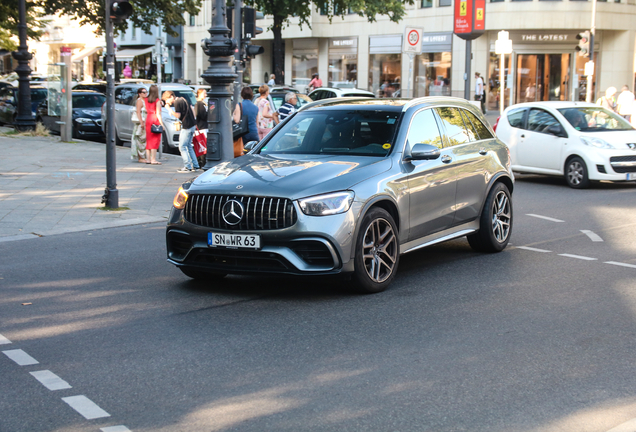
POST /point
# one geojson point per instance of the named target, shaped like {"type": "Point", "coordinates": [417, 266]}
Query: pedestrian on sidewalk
{"type": "Point", "coordinates": [265, 118]}
{"type": "Point", "coordinates": [625, 103]}
{"type": "Point", "coordinates": [272, 80]}
{"type": "Point", "coordinates": [138, 139]}
{"type": "Point", "coordinates": [201, 113]}
{"type": "Point", "coordinates": [153, 117]}
{"type": "Point", "coordinates": [480, 94]}
{"type": "Point", "coordinates": [288, 108]}
{"type": "Point", "coordinates": [608, 100]}
{"type": "Point", "coordinates": [184, 112]}
{"type": "Point", "coordinates": [250, 110]}
{"type": "Point", "coordinates": [315, 82]}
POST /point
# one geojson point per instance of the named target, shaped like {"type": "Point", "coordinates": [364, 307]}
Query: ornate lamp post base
{"type": "Point", "coordinates": [24, 120]}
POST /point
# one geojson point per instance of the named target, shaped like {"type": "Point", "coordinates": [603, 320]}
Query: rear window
{"type": "Point", "coordinates": [88, 101]}
{"type": "Point", "coordinates": [515, 118]}
{"type": "Point", "coordinates": [38, 95]}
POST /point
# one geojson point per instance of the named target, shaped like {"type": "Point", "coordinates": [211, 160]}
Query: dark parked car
{"type": "Point", "coordinates": [87, 116]}
{"type": "Point", "coordinates": [9, 102]}
{"type": "Point", "coordinates": [344, 186]}
{"type": "Point", "coordinates": [98, 86]}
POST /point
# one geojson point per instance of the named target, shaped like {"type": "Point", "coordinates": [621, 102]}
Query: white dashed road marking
{"type": "Point", "coordinates": [50, 380]}
{"type": "Point", "coordinates": [20, 357]}
{"type": "Point", "coordinates": [4, 340]}
{"type": "Point", "coordinates": [86, 407]}
{"type": "Point", "coordinates": [594, 237]}
{"type": "Point", "coordinates": [622, 265]}
{"type": "Point", "coordinates": [119, 428]}
{"type": "Point", "coordinates": [533, 249]}
{"type": "Point", "coordinates": [579, 257]}
{"type": "Point", "coordinates": [544, 217]}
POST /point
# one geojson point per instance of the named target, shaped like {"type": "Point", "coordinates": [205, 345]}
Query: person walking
{"type": "Point", "coordinates": [153, 117]}
{"type": "Point", "coordinates": [272, 80]}
{"type": "Point", "coordinates": [201, 114]}
{"type": "Point", "coordinates": [251, 111]}
{"type": "Point", "coordinates": [480, 95]}
{"type": "Point", "coordinates": [625, 103]}
{"type": "Point", "coordinates": [289, 107]}
{"type": "Point", "coordinates": [608, 101]}
{"type": "Point", "coordinates": [315, 82]}
{"type": "Point", "coordinates": [184, 112]}
{"type": "Point", "coordinates": [138, 139]}
{"type": "Point", "coordinates": [265, 119]}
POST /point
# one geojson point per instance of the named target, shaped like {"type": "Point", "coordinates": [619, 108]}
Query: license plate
{"type": "Point", "coordinates": [234, 241]}
{"type": "Point", "coordinates": [631, 176]}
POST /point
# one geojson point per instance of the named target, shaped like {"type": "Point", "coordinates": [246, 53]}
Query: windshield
{"type": "Point", "coordinates": [594, 119]}
{"type": "Point", "coordinates": [346, 132]}
{"type": "Point", "coordinates": [38, 95]}
{"type": "Point", "coordinates": [88, 101]}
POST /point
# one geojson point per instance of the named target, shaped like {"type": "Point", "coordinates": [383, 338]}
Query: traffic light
{"type": "Point", "coordinates": [250, 15]}
{"type": "Point", "coordinates": [584, 43]}
{"type": "Point", "coordinates": [252, 51]}
{"type": "Point", "coordinates": [120, 11]}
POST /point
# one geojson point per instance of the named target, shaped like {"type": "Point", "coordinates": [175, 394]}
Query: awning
{"type": "Point", "coordinates": [84, 53]}
{"type": "Point", "coordinates": [130, 54]}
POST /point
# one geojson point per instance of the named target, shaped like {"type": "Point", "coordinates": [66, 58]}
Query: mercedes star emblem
{"type": "Point", "coordinates": [632, 146]}
{"type": "Point", "coordinates": [239, 187]}
{"type": "Point", "coordinates": [232, 212]}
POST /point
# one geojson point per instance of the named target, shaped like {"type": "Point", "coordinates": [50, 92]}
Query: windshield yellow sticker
{"type": "Point", "coordinates": [386, 146]}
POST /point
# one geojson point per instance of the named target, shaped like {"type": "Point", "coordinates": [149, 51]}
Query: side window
{"type": "Point", "coordinates": [317, 95]}
{"type": "Point", "coordinates": [127, 96]}
{"type": "Point", "coordinates": [515, 118]}
{"type": "Point", "coordinates": [454, 125]}
{"type": "Point", "coordinates": [481, 130]}
{"type": "Point", "coordinates": [540, 120]}
{"type": "Point", "coordinates": [470, 130]}
{"type": "Point", "coordinates": [424, 130]}
{"type": "Point", "coordinates": [118, 95]}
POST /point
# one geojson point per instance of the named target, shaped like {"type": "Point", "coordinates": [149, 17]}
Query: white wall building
{"type": "Point", "coordinates": [543, 66]}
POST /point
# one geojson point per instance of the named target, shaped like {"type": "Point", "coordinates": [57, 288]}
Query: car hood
{"type": "Point", "coordinates": [618, 139]}
{"type": "Point", "coordinates": [93, 113]}
{"type": "Point", "coordinates": [290, 176]}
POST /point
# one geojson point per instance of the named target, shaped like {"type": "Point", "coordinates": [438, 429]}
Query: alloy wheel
{"type": "Point", "coordinates": [501, 217]}
{"type": "Point", "coordinates": [379, 250]}
{"type": "Point", "coordinates": [575, 173]}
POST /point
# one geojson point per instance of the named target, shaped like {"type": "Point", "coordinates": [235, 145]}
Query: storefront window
{"type": "Point", "coordinates": [304, 65]}
{"type": "Point", "coordinates": [385, 74]}
{"type": "Point", "coordinates": [343, 63]}
{"type": "Point", "coordinates": [493, 97]}
{"type": "Point", "coordinates": [432, 74]}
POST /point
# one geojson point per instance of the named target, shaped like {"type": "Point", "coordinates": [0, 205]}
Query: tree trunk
{"type": "Point", "coordinates": [279, 52]}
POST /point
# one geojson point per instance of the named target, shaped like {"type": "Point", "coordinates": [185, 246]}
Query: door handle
{"type": "Point", "coordinates": [523, 136]}
{"type": "Point", "coordinates": [447, 159]}
{"type": "Point", "coordinates": [483, 152]}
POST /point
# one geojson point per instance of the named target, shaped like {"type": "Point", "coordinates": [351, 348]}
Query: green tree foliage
{"type": "Point", "coordinates": [10, 17]}
{"type": "Point", "coordinates": [282, 10]}
{"type": "Point", "coordinates": [146, 12]}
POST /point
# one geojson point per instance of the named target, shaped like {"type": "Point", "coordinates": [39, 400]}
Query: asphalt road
{"type": "Point", "coordinates": [540, 337]}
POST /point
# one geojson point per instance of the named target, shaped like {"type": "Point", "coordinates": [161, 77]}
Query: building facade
{"type": "Point", "coordinates": [544, 64]}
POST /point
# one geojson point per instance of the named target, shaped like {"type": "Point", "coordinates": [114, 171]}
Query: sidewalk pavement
{"type": "Point", "coordinates": [49, 187]}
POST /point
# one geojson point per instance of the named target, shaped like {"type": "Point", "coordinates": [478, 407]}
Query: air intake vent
{"type": "Point", "coordinates": [259, 213]}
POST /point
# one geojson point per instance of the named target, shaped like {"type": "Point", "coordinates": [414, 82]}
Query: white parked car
{"type": "Point", "coordinates": [327, 93]}
{"type": "Point", "coordinates": [577, 140]}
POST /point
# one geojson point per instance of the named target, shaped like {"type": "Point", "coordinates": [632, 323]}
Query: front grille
{"type": "Point", "coordinates": [228, 260]}
{"type": "Point", "coordinates": [175, 137]}
{"type": "Point", "coordinates": [629, 161]}
{"type": "Point", "coordinates": [260, 213]}
{"type": "Point", "coordinates": [601, 169]}
{"type": "Point", "coordinates": [313, 253]}
{"type": "Point", "coordinates": [178, 245]}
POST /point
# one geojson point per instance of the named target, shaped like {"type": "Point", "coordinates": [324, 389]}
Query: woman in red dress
{"type": "Point", "coordinates": [153, 108]}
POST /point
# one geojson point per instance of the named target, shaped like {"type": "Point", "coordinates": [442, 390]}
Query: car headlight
{"type": "Point", "coordinates": [324, 205]}
{"type": "Point", "coordinates": [596, 142]}
{"type": "Point", "coordinates": [83, 120]}
{"type": "Point", "coordinates": [180, 198]}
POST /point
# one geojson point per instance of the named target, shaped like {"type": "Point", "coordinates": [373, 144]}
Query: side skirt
{"type": "Point", "coordinates": [439, 237]}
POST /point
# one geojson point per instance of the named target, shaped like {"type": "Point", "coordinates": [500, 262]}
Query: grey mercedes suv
{"type": "Point", "coordinates": [345, 186]}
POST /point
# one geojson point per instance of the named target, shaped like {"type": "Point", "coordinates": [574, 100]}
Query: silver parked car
{"type": "Point", "coordinates": [344, 186]}
{"type": "Point", "coordinates": [125, 99]}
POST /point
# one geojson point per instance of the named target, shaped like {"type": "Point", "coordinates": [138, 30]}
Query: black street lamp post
{"type": "Point", "coordinates": [24, 120]}
{"type": "Point", "coordinates": [220, 48]}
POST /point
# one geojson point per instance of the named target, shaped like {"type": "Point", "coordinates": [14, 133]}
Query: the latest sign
{"type": "Point", "coordinates": [470, 18]}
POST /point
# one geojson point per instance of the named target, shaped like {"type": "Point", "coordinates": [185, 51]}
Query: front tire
{"type": "Point", "coordinates": [576, 174]}
{"type": "Point", "coordinates": [201, 275]}
{"type": "Point", "coordinates": [377, 252]}
{"type": "Point", "coordinates": [495, 222]}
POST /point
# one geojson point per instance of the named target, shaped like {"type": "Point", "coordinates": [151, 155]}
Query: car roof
{"type": "Point", "coordinates": [346, 90]}
{"type": "Point", "coordinates": [86, 91]}
{"type": "Point", "coordinates": [370, 104]}
{"type": "Point", "coordinates": [552, 104]}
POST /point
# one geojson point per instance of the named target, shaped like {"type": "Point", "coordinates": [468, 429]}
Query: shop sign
{"type": "Point", "coordinates": [437, 42]}
{"type": "Point", "coordinates": [344, 43]}
{"type": "Point", "coordinates": [543, 37]}
{"type": "Point", "coordinates": [469, 18]}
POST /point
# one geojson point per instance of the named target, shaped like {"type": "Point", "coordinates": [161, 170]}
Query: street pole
{"type": "Point", "coordinates": [238, 35]}
{"type": "Point", "coordinates": [501, 85]}
{"type": "Point", "coordinates": [467, 74]}
{"type": "Point", "coordinates": [220, 48]}
{"type": "Point", "coordinates": [111, 194]}
{"type": "Point", "coordinates": [24, 120]}
{"type": "Point", "coordinates": [590, 76]}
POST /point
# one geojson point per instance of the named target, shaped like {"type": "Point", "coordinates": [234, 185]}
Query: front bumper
{"type": "Point", "coordinates": [312, 246]}
{"type": "Point", "coordinates": [617, 167]}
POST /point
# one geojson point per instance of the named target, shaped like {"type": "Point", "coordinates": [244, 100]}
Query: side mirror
{"type": "Point", "coordinates": [249, 146]}
{"type": "Point", "coordinates": [556, 130]}
{"type": "Point", "coordinates": [424, 152]}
